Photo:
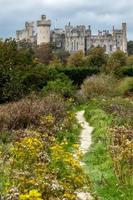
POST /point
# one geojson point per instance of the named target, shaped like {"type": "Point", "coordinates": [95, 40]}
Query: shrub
{"type": "Point", "coordinates": [27, 112]}
{"type": "Point", "coordinates": [98, 86]}
{"type": "Point", "coordinates": [125, 86]}
{"type": "Point", "coordinates": [63, 86]}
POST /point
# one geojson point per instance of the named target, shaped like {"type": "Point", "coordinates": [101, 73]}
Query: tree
{"type": "Point", "coordinates": [130, 48]}
{"type": "Point", "coordinates": [11, 55]}
{"type": "Point", "coordinates": [44, 54]}
{"type": "Point", "coordinates": [117, 60]}
{"type": "Point", "coordinates": [120, 57]}
{"type": "Point", "coordinates": [96, 57]}
{"type": "Point", "coordinates": [76, 59]}
{"type": "Point", "coordinates": [112, 65]}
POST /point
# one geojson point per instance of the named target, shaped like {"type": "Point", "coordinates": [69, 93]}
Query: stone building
{"type": "Point", "coordinates": [74, 38]}
{"type": "Point", "coordinates": [27, 34]}
{"type": "Point", "coordinates": [81, 38]}
{"type": "Point", "coordinates": [58, 38]}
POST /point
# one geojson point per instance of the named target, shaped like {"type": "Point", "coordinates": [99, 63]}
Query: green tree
{"type": "Point", "coordinates": [117, 60]}
{"type": "Point", "coordinates": [120, 56]}
{"type": "Point", "coordinates": [11, 55]}
{"type": "Point", "coordinates": [96, 57]}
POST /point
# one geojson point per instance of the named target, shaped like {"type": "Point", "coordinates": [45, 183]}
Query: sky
{"type": "Point", "coordinates": [100, 14]}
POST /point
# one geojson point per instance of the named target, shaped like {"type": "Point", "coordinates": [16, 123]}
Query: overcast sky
{"type": "Point", "coordinates": [100, 14]}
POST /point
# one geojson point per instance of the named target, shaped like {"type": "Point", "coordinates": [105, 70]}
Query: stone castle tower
{"type": "Point", "coordinates": [124, 37]}
{"type": "Point", "coordinates": [43, 30]}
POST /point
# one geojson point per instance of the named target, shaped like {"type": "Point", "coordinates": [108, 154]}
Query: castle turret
{"type": "Point", "coordinates": [43, 33]}
{"type": "Point", "coordinates": [124, 37]}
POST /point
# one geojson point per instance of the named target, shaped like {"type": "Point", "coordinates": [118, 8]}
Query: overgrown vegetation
{"type": "Point", "coordinates": [40, 87]}
{"type": "Point", "coordinates": [109, 161]}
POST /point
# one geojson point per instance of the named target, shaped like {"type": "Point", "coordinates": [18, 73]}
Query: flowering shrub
{"type": "Point", "coordinates": [39, 163]}
{"type": "Point", "coordinates": [32, 195]}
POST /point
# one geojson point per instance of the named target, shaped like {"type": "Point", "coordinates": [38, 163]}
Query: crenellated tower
{"type": "Point", "coordinates": [43, 30]}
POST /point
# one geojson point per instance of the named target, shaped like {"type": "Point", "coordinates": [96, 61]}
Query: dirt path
{"type": "Point", "coordinates": [85, 143]}
{"type": "Point", "coordinates": [85, 137]}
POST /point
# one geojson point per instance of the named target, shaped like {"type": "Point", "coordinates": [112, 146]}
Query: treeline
{"type": "Point", "coordinates": [27, 69]}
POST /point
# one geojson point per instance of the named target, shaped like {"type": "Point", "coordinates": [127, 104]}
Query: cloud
{"type": "Point", "coordinates": [101, 14]}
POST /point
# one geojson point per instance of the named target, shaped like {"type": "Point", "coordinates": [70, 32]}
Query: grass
{"type": "Point", "coordinates": [98, 160]}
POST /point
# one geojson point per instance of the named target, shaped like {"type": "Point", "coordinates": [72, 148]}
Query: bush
{"type": "Point", "coordinates": [125, 86]}
{"type": "Point", "coordinates": [63, 86]}
{"type": "Point", "coordinates": [27, 112]}
{"type": "Point", "coordinates": [98, 86]}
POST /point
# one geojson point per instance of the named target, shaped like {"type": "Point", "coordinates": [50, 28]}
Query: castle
{"type": "Point", "coordinates": [73, 38]}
